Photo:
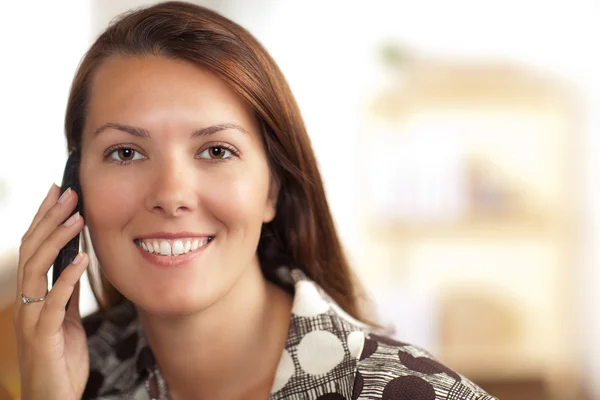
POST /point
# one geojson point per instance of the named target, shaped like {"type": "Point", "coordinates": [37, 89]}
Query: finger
{"type": "Point", "coordinates": [53, 311]}
{"type": "Point", "coordinates": [73, 312]}
{"type": "Point", "coordinates": [35, 270]}
{"type": "Point", "coordinates": [48, 202]}
{"type": "Point", "coordinates": [57, 212]}
{"type": "Point", "coordinates": [48, 223]}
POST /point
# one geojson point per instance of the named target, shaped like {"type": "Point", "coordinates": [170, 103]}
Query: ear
{"type": "Point", "coordinates": [271, 204]}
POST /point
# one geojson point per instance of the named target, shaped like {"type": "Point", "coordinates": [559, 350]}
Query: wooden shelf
{"type": "Point", "coordinates": [516, 225]}
{"type": "Point", "coordinates": [500, 362]}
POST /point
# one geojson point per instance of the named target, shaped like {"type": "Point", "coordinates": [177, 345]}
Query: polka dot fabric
{"type": "Point", "coordinates": [391, 370]}
{"type": "Point", "coordinates": [337, 357]}
{"type": "Point", "coordinates": [323, 360]}
{"type": "Point", "coordinates": [328, 356]}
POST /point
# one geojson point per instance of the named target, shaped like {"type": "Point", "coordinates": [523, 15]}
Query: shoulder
{"type": "Point", "coordinates": [355, 360]}
{"type": "Point", "coordinates": [393, 370]}
{"type": "Point", "coordinates": [115, 344]}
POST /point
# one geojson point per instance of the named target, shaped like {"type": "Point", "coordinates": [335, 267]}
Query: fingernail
{"type": "Point", "coordinates": [78, 258]}
{"type": "Point", "coordinates": [63, 197]}
{"type": "Point", "coordinates": [50, 190]}
{"type": "Point", "coordinates": [74, 218]}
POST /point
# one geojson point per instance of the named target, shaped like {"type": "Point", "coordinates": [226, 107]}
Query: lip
{"type": "Point", "coordinates": [173, 235]}
{"type": "Point", "coordinates": [172, 261]}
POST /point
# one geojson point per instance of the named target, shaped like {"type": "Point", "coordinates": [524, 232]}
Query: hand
{"type": "Point", "coordinates": [51, 341]}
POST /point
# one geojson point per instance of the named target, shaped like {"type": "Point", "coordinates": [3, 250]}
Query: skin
{"type": "Point", "coordinates": [230, 323]}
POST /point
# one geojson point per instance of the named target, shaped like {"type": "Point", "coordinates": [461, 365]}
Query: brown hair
{"type": "Point", "coordinates": [302, 233]}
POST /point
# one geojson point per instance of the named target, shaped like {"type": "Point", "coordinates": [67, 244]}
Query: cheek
{"type": "Point", "coordinates": [109, 201]}
{"type": "Point", "coordinates": [238, 200]}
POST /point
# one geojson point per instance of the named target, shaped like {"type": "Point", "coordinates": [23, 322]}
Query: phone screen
{"type": "Point", "coordinates": [69, 252]}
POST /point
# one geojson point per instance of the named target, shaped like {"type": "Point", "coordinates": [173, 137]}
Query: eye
{"type": "Point", "coordinates": [216, 153]}
{"type": "Point", "coordinates": [125, 155]}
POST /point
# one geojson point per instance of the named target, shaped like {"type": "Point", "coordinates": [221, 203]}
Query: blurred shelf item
{"type": "Point", "coordinates": [473, 197]}
{"type": "Point", "coordinates": [9, 367]}
{"type": "Point", "coordinates": [500, 362]}
{"type": "Point", "coordinates": [8, 276]}
{"type": "Point", "coordinates": [428, 84]}
{"type": "Point", "coordinates": [479, 226]}
{"type": "Point", "coordinates": [504, 370]}
{"type": "Point", "coordinates": [3, 191]}
{"type": "Point", "coordinates": [9, 371]}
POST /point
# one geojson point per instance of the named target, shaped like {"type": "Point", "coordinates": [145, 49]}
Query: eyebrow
{"type": "Point", "coordinates": [141, 132]}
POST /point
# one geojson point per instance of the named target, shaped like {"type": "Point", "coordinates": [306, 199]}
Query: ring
{"type": "Point", "coordinates": [27, 300]}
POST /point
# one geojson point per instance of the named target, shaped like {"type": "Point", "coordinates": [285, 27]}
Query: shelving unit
{"type": "Point", "coordinates": [499, 249]}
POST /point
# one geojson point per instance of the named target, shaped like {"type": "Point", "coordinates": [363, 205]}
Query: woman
{"type": "Point", "coordinates": [222, 276]}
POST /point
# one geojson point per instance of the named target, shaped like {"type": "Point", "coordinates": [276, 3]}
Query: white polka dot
{"type": "Point", "coordinates": [285, 370]}
{"type": "Point", "coordinates": [319, 352]}
{"type": "Point", "coordinates": [308, 302]}
{"type": "Point", "coordinates": [356, 342]}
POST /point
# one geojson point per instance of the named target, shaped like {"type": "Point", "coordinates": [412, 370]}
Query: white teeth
{"type": "Point", "coordinates": [177, 248]}
{"type": "Point", "coordinates": [172, 248]}
{"type": "Point", "coordinates": [165, 248]}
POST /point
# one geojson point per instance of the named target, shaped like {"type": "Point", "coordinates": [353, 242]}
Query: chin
{"type": "Point", "coordinates": [171, 310]}
{"type": "Point", "coordinates": [179, 303]}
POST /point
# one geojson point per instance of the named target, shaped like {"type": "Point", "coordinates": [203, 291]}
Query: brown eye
{"type": "Point", "coordinates": [125, 155]}
{"type": "Point", "coordinates": [216, 153]}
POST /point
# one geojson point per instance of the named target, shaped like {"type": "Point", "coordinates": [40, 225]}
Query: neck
{"type": "Point", "coordinates": [228, 350]}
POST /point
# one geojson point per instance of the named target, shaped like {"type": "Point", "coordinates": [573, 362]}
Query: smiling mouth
{"type": "Point", "coordinates": [172, 248]}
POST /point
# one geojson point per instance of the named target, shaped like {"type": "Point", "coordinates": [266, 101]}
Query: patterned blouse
{"type": "Point", "coordinates": [328, 356]}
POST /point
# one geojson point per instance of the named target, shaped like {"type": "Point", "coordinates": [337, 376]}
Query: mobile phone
{"type": "Point", "coordinates": [67, 254]}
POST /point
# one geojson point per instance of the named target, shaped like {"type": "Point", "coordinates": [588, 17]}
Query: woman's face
{"type": "Point", "coordinates": [172, 158]}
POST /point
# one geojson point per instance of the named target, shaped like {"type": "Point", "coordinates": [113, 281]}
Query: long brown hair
{"type": "Point", "coordinates": [302, 233]}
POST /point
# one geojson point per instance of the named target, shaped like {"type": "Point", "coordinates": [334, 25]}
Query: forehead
{"type": "Point", "coordinates": [154, 90]}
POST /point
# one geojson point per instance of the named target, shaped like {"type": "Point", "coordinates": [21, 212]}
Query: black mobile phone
{"type": "Point", "coordinates": [71, 249]}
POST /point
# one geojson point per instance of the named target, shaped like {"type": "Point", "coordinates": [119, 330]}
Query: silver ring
{"type": "Point", "coordinates": [27, 300]}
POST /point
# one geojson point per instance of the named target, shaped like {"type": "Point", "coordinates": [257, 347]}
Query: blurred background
{"type": "Point", "coordinates": [460, 147]}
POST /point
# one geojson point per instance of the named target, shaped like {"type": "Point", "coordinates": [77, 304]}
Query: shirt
{"type": "Point", "coordinates": [328, 355]}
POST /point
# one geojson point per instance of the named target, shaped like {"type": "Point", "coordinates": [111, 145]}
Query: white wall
{"type": "Point", "coordinates": [41, 44]}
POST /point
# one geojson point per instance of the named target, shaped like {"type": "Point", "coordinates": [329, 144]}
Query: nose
{"type": "Point", "coordinates": [171, 189]}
